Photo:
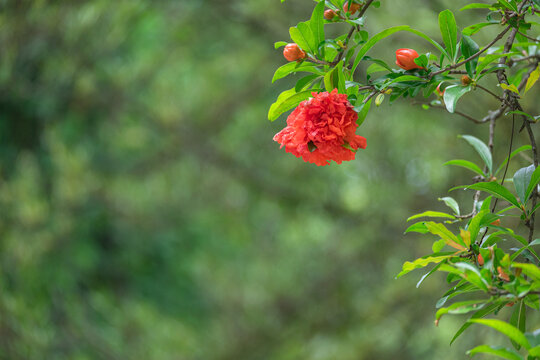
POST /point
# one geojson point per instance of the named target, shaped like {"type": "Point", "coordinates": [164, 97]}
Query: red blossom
{"type": "Point", "coordinates": [322, 129]}
{"type": "Point", "coordinates": [405, 59]}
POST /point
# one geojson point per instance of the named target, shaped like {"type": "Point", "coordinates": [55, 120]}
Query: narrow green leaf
{"type": "Point", "coordinates": [530, 270]}
{"type": "Point", "coordinates": [467, 165]}
{"type": "Point", "coordinates": [317, 23]}
{"type": "Point", "coordinates": [462, 307]}
{"type": "Point", "coordinates": [488, 59]}
{"type": "Point", "coordinates": [451, 203]}
{"type": "Point", "coordinates": [510, 331]}
{"type": "Point", "coordinates": [514, 153]}
{"type": "Point", "coordinates": [496, 190]}
{"type": "Point", "coordinates": [374, 40]}
{"type": "Point", "coordinates": [514, 320]}
{"type": "Point", "coordinates": [497, 351]}
{"type": "Point", "coordinates": [293, 67]}
{"type": "Point", "coordinates": [474, 224]}
{"type": "Point", "coordinates": [426, 275]}
{"type": "Point", "coordinates": [535, 351]}
{"type": "Point", "coordinates": [431, 214]}
{"type": "Point", "coordinates": [419, 227]}
{"type": "Point", "coordinates": [522, 178]}
{"type": "Point", "coordinates": [473, 29]}
{"type": "Point", "coordinates": [279, 44]}
{"type": "Point", "coordinates": [363, 110]}
{"type": "Point", "coordinates": [482, 150]}
{"type": "Point", "coordinates": [508, 5]}
{"type": "Point", "coordinates": [444, 233]}
{"type": "Point", "coordinates": [533, 78]}
{"type": "Point", "coordinates": [475, 6]}
{"type": "Point", "coordinates": [477, 315]}
{"type": "Point", "coordinates": [286, 101]}
{"type": "Point", "coordinates": [468, 49]}
{"type": "Point", "coordinates": [303, 37]}
{"type": "Point", "coordinates": [535, 178]}
{"type": "Point", "coordinates": [447, 24]}
{"type": "Point", "coordinates": [452, 94]}
{"type": "Point", "coordinates": [420, 263]}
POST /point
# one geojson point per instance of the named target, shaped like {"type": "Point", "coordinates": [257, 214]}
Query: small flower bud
{"type": "Point", "coordinates": [292, 52]}
{"type": "Point", "coordinates": [510, 304]}
{"type": "Point", "coordinates": [405, 59]}
{"type": "Point", "coordinates": [502, 274]}
{"type": "Point", "coordinates": [354, 7]}
{"type": "Point", "coordinates": [465, 80]}
{"type": "Point", "coordinates": [329, 14]}
{"type": "Point", "coordinates": [480, 259]}
{"type": "Point", "coordinates": [439, 91]}
{"type": "Point", "coordinates": [496, 222]}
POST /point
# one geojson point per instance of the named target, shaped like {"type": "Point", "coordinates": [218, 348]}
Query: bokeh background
{"type": "Point", "coordinates": [146, 212]}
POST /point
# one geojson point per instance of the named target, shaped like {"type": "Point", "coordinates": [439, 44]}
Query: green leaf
{"type": "Point", "coordinates": [497, 351]}
{"type": "Point", "coordinates": [522, 178]}
{"type": "Point", "coordinates": [387, 32]}
{"type": "Point", "coordinates": [419, 227]}
{"type": "Point", "coordinates": [533, 78]}
{"type": "Point", "coordinates": [447, 235]}
{"type": "Point", "coordinates": [468, 49]}
{"type": "Point", "coordinates": [508, 5]}
{"type": "Point", "coordinates": [362, 112]}
{"type": "Point", "coordinates": [530, 270]}
{"type": "Point", "coordinates": [473, 29]}
{"type": "Point", "coordinates": [462, 307]}
{"type": "Point", "coordinates": [451, 203]}
{"type": "Point", "coordinates": [286, 101]}
{"type": "Point", "coordinates": [510, 331]}
{"type": "Point", "coordinates": [425, 276]}
{"type": "Point", "coordinates": [293, 67]}
{"type": "Point", "coordinates": [535, 351]}
{"type": "Point", "coordinates": [518, 319]}
{"type": "Point", "coordinates": [374, 40]}
{"type": "Point", "coordinates": [305, 81]}
{"type": "Point", "coordinates": [496, 190]}
{"type": "Point", "coordinates": [513, 88]}
{"type": "Point", "coordinates": [303, 37]}
{"type": "Point", "coordinates": [475, 6]}
{"type": "Point", "coordinates": [432, 214]}
{"type": "Point", "coordinates": [467, 165]}
{"type": "Point", "coordinates": [452, 94]}
{"type": "Point", "coordinates": [488, 59]}
{"type": "Point", "coordinates": [514, 153]}
{"type": "Point", "coordinates": [482, 150]}
{"type": "Point", "coordinates": [447, 24]}
{"type": "Point", "coordinates": [474, 224]}
{"type": "Point", "coordinates": [420, 263]}
{"type": "Point", "coordinates": [407, 78]}
{"type": "Point", "coordinates": [279, 44]}
{"type": "Point", "coordinates": [479, 314]}
{"type": "Point", "coordinates": [317, 23]}
{"type": "Point", "coordinates": [535, 178]}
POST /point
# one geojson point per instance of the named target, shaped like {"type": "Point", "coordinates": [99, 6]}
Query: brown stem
{"type": "Point", "coordinates": [351, 32]}
{"type": "Point", "coordinates": [455, 66]}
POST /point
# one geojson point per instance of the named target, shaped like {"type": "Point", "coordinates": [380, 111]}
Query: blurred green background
{"type": "Point", "coordinates": [146, 212]}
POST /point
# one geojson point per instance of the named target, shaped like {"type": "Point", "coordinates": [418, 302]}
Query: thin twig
{"type": "Point", "coordinates": [489, 92]}
{"type": "Point", "coordinates": [455, 66]}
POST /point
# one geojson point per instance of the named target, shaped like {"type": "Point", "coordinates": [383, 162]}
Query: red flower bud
{"type": "Point", "coordinates": [465, 80]}
{"type": "Point", "coordinates": [439, 91]}
{"type": "Point", "coordinates": [354, 7]}
{"type": "Point", "coordinates": [496, 222]}
{"type": "Point", "coordinates": [502, 274]}
{"type": "Point", "coordinates": [405, 59]}
{"type": "Point", "coordinates": [292, 52]}
{"type": "Point", "coordinates": [480, 260]}
{"type": "Point", "coordinates": [329, 14]}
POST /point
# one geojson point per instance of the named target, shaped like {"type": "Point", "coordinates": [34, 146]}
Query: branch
{"type": "Point", "coordinates": [351, 32]}
{"type": "Point", "coordinates": [455, 66]}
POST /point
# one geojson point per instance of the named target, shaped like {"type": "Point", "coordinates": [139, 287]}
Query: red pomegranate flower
{"type": "Point", "coordinates": [322, 129]}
